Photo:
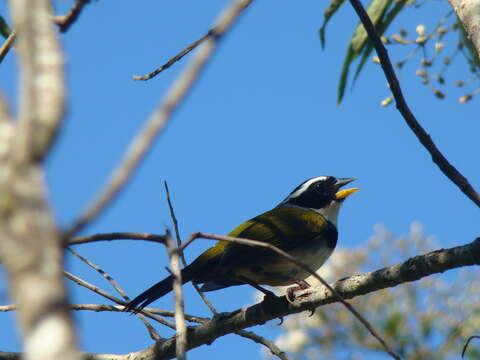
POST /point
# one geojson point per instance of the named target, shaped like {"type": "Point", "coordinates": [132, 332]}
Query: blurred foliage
{"type": "Point", "coordinates": [433, 53]}
{"type": "Point", "coordinates": [428, 319]}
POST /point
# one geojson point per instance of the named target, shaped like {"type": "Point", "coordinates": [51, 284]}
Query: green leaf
{"type": "Point", "coordinates": [376, 10]}
{"type": "Point", "coordinates": [4, 28]}
{"type": "Point", "coordinates": [328, 13]}
{"type": "Point", "coordinates": [344, 75]}
{"type": "Point", "coordinates": [381, 28]}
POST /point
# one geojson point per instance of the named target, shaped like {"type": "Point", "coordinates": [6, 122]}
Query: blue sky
{"type": "Point", "coordinates": [261, 119]}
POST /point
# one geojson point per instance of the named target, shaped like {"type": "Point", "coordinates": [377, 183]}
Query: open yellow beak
{"type": "Point", "coordinates": [342, 194]}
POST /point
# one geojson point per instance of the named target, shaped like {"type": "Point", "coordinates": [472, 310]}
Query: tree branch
{"type": "Point", "coordinates": [448, 169]}
{"type": "Point", "coordinates": [174, 59]}
{"type": "Point", "coordinates": [181, 327]}
{"type": "Point", "coordinates": [6, 46]}
{"type": "Point", "coordinates": [153, 333]}
{"type": "Point", "coordinates": [117, 236]}
{"type": "Point", "coordinates": [143, 142]}
{"type": "Point", "coordinates": [65, 21]}
{"type": "Point", "coordinates": [469, 14]}
{"type": "Point", "coordinates": [42, 103]}
{"type": "Point", "coordinates": [411, 270]}
{"type": "Point", "coordinates": [31, 248]}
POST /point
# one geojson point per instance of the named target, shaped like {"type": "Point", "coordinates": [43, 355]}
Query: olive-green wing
{"type": "Point", "coordinates": [285, 228]}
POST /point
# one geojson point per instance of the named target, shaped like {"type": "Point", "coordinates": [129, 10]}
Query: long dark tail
{"type": "Point", "coordinates": [156, 291]}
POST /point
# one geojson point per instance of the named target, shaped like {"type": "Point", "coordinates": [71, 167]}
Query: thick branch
{"type": "Point", "coordinates": [468, 11]}
{"type": "Point", "coordinates": [42, 103]}
{"type": "Point", "coordinates": [30, 245]}
{"type": "Point", "coordinates": [411, 270]}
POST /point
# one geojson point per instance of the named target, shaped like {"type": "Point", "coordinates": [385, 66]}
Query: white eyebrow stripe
{"type": "Point", "coordinates": [305, 186]}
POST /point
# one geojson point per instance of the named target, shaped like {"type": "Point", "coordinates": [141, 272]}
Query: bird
{"type": "Point", "coordinates": [304, 225]}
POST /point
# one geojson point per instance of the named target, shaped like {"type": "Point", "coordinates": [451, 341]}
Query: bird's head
{"type": "Point", "coordinates": [322, 194]}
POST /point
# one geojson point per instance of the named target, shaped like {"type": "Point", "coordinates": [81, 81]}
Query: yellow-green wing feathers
{"type": "Point", "coordinates": [282, 227]}
{"type": "Point", "coordinates": [286, 228]}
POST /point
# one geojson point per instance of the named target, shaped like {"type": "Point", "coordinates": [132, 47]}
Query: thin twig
{"type": "Point", "coordinates": [151, 330]}
{"type": "Point", "coordinates": [143, 142]}
{"type": "Point", "coordinates": [65, 21]}
{"type": "Point", "coordinates": [91, 287]}
{"type": "Point", "coordinates": [448, 169]}
{"type": "Point", "coordinates": [7, 44]}
{"type": "Point", "coordinates": [468, 342]}
{"type": "Point", "coordinates": [182, 255]}
{"type": "Point", "coordinates": [300, 264]}
{"type": "Point", "coordinates": [246, 334]}
{"type": "Point", "coordinates": [117, 236]}
{"type": "Point", "coordinates": [174, 59]}
{"type": "Point", "coordinates": [175, 222]}
{"type": "Point", "coordinates": [411, 270]}
{"type": "Point", "coordinates": [181, 332]}
{"type": "Point", "coordinates": [105, 294]}
{"type": "Point", "coordinates": [117, 308]}
{"type": "Point", "coordinates": [97, 268]}
{"type": "Point", "coordinates": [267, 343]}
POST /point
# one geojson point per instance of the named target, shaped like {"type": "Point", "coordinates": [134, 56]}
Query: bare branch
{"type": "Point", "coordinates": [173, 60]}
{"type": "Point", "coordinates": [143, 142]}
{"type": "Point", "coordinates": [31, 247]}
{"type": "Point", "coordinates": [42, 103]}
{"type": "Point", "coordinates": [153, 333]}
{"type": "Point", "coordinates": [105, 294]}
{"type": "Point", "coordinates": [465, 347]}
{"type": "Point", "coordinates": [117, 236]}
{"type": "Point", "coordinates": [97, 268]}
{"type": "Point", "coordinates": [182, 255]}
{"type": "Point", "coordinates": [65, 21]}
{"type": "Point", "coordinates": [267, 343]}
{"type": "Point", "coordinates": [181, 331]}
{"type": "Point", "coordinates": [469, 14]}
{"type": "Point", "coordinates": [117, 308]}
{"type": "Point", "coordinates": [448, 169]}
{"type": "Point", "coordinates": [300, 264]}
{"type": "Point", "coordinates": [7, 44]}
{"type": "Point", "coordinates": [411, 270]}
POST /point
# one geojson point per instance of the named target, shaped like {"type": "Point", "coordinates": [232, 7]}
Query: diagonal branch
{"type": "Point", "coordinates": [159, 119]}
{"type": "Point", "coordinates": [117, 236]}
{"type": "Point", "coordinates": [305, 267]}
{"type": "Point", "coordinates": [181, 327]}
{"type": "Point", "coordinates": [174, 59]}
{"type": "Point", "coordinates": [411, 270]}
{"type": "Point", "coordinates": [105, 294]}
{"type": "Point", "coordinates": [65, 21]}
{"type": "Point", "coordinates": [6, 46]}
{"type": "Point", "coordinates": [153, 333]}
{"type": "Point", "coordinates": [448, 169]}
{"type": "Point", "coordinates": [246, 334]}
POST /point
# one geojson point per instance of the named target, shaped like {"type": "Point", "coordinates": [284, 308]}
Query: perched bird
{"type": "Point", "coordinates": [304, 225]}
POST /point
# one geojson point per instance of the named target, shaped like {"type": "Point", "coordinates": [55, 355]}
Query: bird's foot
{"type": "Point", "coordinates": [301, 285]}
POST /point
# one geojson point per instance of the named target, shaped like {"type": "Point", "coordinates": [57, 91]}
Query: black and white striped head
{"type": "Point", "coordinates": [321, 194]}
